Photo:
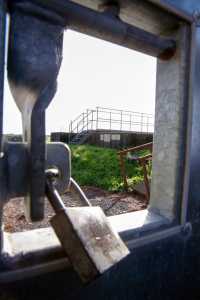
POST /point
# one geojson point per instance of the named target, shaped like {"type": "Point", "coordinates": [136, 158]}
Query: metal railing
{"type": "Point", "coordinates": [112, 119]}
{"type": "Point", "coordinates": [142, 160]}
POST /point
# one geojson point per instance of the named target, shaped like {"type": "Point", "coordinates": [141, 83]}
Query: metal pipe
{"type": "Point", "coordinates": [51, 191]}
{"type": "Point", "coordinates": [112, 29]}
{"type": "Point", "coordinates": [54, 197]}
{"type": "Point", "coordinates": [3, 37]}
{"type": "Point", "coordinates": [75, 189]}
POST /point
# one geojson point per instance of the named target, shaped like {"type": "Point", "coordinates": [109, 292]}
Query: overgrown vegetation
{"type": "Point", "coordinates": [99, 167]}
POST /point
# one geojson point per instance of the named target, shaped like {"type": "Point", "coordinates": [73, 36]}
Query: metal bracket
{"type": "Point", "coordinates": [16, 178]}
{"type": "Point", "coordinates": [34, 59]}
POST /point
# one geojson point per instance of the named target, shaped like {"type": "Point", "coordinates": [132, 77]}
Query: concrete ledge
{"type": "Point", "coordinates": [137, 223]}
{"type": "Point", "coordinates": [38, 251]}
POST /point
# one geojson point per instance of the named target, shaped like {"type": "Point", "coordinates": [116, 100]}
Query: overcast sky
{"type": "Point", "coordinates": [94, 73]}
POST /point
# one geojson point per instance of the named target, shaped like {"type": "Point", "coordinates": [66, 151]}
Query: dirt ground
{"type": "Point", "coordinates": [111, 203]}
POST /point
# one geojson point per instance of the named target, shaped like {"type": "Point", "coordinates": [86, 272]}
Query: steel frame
{"type": "Point", "coordinates": [190, 204]}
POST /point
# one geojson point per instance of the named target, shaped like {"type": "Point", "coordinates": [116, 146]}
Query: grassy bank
{"type": "Point", "coordinates": [95, 166]}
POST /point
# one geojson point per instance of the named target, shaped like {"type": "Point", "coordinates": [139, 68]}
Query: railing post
{"type": "Point", "coordinates": [97, 121]}
{"type": "Point", "coordinates": [87, 119]}
{"type": "Point", "coordinates": [70, 132]}
{"type": "Point", "coordinates": [141, 127]}
{"type": "Point", "coordinates": [146, 180]}
{"type": "Point", "coordinates": [92, 120]}
{"type": "Point", "coordinates": [123, 170]}
{"type": "Point", "coordinates": [3, 37]}
{"type": "Point", "coordinates": [83, 121]}
{"type": "Point", "coordinates": [121, 121]}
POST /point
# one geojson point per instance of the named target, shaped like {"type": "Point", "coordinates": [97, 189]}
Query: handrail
{"type": "Point", "coordinates": [111, 119]}
{"type": "Point", "coordinates": [141, 160]}
{"type": "Point", "coordinates": [124, 111]}
{"type": "Point", "coordinates": [85, 116]}
{"type": "Point", "coordinates": [137, 148]}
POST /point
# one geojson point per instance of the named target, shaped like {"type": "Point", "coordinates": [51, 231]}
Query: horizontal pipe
{"type": "Point", "coordinates": [136, 148]}
{"type": "Point", "coordinates": [109, 28]}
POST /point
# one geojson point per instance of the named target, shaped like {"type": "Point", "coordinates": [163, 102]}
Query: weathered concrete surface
{"type": "Point", "coordinates": [126, 139]}
{"type": "Point", "coordinates": [169, 135]}
{"type": "Point", "coordinates": [142, 14]}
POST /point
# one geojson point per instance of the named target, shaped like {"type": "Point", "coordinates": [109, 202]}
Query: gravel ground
{"type": "Point", "coordinates": [111, 203]}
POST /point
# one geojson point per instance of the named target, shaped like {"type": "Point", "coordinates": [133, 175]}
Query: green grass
{"type": "Point", "coordinates": [99, 167]}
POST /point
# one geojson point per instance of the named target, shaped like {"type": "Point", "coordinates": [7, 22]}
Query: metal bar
{"type": "Point", "coordinates": [121, 121]}
{"type": "Point", "coordinates": [83, 120]}
{"type": "Point", "coordinates": [2, 62]}
{"type": "Point", "coordinates": [87, 118]}
{"type": "Point", "coordinates": [75, 189]}
{"type": "Point", "coordinates": [141, 147]}
{"type": "Point", "coordinates": [124, 111]}
{"type": "Point", "coordinates": [92, 119]}
{"type": "Point", "coordinates": [123, 170]}
{"type": "Point", "coordinates": [141, 123]}
{"type": "Point", "coordinates": [191, 185]}
{"type": "Point", "coordinates": [110, 112]}
{"type": "Point", "coordinates": [97, 122]}
{"type": "Point", "coordinates": [53, 196]}
{"type": "Point", "coordinates": [103, 26]}
{"type": "Point", "coordinates": [144, 158]}
{"type": "Point", "coordinates": [146, 180]}
{"type": "Point", "coordinates": [2, 69]}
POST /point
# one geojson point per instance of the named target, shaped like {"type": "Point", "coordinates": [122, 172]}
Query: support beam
{"type": "Point", "coordinates": [112, 29]}
{"type": "Point", "coordinates": [2, 66]}
{"type": "Point", "coordinates": [2, 62]}
{"type": "Point", "coordinates": [170, 129]}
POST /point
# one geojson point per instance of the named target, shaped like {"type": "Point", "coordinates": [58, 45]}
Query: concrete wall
{"type": "Point", "coordinates": [119, 140]}
{"type": "Point", "coordinates": [109, 139]}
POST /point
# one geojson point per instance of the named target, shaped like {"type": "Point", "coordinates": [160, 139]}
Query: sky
{"type": "Point", "coordinates": [93, 73]}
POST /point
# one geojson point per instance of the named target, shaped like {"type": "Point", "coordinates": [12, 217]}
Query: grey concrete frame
{"type": "Point", "coordinates": [173, 217]}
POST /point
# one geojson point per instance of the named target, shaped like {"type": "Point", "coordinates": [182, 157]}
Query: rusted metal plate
{"type": "Point", "coordinates": [89, 240]}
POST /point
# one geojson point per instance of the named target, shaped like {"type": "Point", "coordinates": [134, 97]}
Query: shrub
{"type": "Point", "coordinates": [99, 167]}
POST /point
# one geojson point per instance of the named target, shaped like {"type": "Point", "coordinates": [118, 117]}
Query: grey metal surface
{"type": "Point", "coordinates": [38, 248]}
{"type": "Point", "coordinates": [162, 268]}
{"type": "Point", "coordinates": [59, 156]}
{"type": "Point", "coordinates": [110, 28]}
{"type": "Point", "coordinates": [16, 168]}
{"type": "Point", "coordinates": [78, 193]}
{"type": "Point", "coordinates": [2, 67]}
{"type": "Point", "coordinates": [35, 55]}
{"type": "Point", "coordinates": [192, 203]}
{"type": "Point", "coordinates": [183, 8]}
{"type": "Point", "coordinates": [3, 10]}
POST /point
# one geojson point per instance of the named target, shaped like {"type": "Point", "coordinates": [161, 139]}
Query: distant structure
{"type": "Point", "coordinates": [108, 128]}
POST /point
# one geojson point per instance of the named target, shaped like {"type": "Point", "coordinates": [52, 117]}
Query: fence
{"type": "Point", "coordinates": [112, 119]}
